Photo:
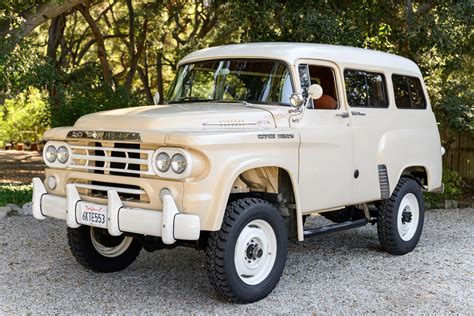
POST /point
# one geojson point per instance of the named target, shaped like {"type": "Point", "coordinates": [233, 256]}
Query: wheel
{"type": "Point", "coordinates": [96, 250]}
{"type": "Point", "coordinates": [401, 218]}
{"type": "Point", "coordinates": [349, 213]}
{"type": "Point", "coordinates": [246, 257]}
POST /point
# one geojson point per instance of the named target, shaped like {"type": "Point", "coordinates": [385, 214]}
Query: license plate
{"type": "Point", "coordinates": [93, 214]}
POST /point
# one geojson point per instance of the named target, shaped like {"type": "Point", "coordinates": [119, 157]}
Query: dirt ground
{"type": "Point", "coordinates": [19, 167]}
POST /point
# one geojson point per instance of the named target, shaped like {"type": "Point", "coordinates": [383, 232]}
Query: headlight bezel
{"type": "Point", "coordinates": [170, 173]}
{"type": "Point", "coordinates": [56, 163]}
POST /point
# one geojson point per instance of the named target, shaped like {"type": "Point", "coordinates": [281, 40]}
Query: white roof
{"type": "Point", "coordinates": [290, 52]}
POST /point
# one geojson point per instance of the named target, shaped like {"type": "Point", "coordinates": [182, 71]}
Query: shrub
{"type": "Point", "coordinates": [15, 193]}
{"type": "Point", "coordinates": [452, 189]}
{"type": "Point", "coordinates": [24, 118]}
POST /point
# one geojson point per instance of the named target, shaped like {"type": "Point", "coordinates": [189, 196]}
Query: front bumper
{"type": "Point", "coordinates": [169, 223]}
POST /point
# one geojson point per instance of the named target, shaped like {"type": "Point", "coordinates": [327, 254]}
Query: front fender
{"type": "Point", "coordinates": [208, 197]}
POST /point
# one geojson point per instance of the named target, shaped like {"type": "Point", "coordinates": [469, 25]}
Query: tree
{"type": "Point", "coordinates": [99, 54]}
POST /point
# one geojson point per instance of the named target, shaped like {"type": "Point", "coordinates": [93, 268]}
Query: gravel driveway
{"type": "Point", "coordinates": [341, 273]}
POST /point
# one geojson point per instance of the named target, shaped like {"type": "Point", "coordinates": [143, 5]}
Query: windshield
{"type": "Point", "coordinates": [237, 80]}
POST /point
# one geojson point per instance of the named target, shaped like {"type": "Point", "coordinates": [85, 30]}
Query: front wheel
{"type": "Point", "coordinates": [246, 257]}
{"type": "Point", "coordinates": [401, 218]}
{"type": "Point", "coordinates": [96, 250]}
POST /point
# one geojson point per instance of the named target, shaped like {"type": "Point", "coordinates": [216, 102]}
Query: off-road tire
{"type": "Point", "coordinates": [80, 243]}
{"type": "Point", "coordinates": [221, 248]}
{"type": "Point", "coordinates": [387, 220]}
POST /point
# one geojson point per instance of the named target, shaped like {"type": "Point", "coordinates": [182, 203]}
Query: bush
{"type": "Point", "coordinates": [15, 193]}
{"type": "Point", "coordinates": [24, 118]}
{"type": "Point", "coordinates": [452, 189]}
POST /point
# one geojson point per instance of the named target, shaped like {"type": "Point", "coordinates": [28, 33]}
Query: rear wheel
{"type": "Point", "coordinates": [97, 250]}
{"type": "Point", "coordinates": [401, 218]}
{"type": "Point", "coordinates": [246, 257]}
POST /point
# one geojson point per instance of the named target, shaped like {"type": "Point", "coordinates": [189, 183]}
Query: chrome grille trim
{"type": "Point", "coordinates": [90, 158]}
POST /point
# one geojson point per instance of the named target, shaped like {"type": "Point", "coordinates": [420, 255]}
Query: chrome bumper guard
{"type": "Point", "coordinates": [169, 224]}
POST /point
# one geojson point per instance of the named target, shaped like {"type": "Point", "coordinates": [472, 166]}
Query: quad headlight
{"type": "Point", "coordinates": [173, 163]}
{"type": "Point", "coordinates": [178, 163]}
{"type": "Point", "coordinates": [56, 154]}
{"type": "Point", "coordinates": [163, 162]}
{"type": "Point", "coordinates": [63, 154]}
{"type": "Point", "coordinates": [50, 153]}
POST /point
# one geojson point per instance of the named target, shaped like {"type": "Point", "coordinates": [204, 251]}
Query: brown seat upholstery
{"type": "Point", "coordinates": [326, 102]}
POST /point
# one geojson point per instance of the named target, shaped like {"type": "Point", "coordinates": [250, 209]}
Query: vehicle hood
{"type": "Point", "coordinates": [178, 117]}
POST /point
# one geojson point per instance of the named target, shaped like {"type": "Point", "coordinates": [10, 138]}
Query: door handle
{"type": "Point", "coordinates": [358, 113]}
{"type": "Point", "coordinates": [343, 114]}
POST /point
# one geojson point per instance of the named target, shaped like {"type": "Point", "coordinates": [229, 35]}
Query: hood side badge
{"type": "Point", "coordinates": [237, 123]}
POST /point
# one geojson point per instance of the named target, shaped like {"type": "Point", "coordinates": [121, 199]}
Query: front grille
{"type": "Point", "coordinates": [121, 159]}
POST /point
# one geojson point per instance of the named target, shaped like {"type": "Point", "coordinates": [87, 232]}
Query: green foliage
{"type": "Point", "coordinates": [452, 189]}
{"type": "Point", "coordinates": [24, 118]}
{"type": "Point", "coordinates": [144, 40]}
{"type": "Point", "coordinates": [17, 67]}
{"type": "Point", "coordinates": [15, 193]}
{"type": "Point", "coordinates": [82, 92]}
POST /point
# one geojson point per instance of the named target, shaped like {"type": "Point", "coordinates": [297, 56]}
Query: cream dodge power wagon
{"type": "Point", "coordinates": [252, 139]}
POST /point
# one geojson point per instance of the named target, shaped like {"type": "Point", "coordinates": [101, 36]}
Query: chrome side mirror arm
{"type": "Point", "coordinates": [299, 104]}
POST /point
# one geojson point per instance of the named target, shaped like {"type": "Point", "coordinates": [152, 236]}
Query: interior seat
{"type": "Point", "coordinates": [326, 102]}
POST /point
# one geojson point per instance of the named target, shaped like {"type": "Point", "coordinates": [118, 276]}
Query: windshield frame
{"type": "Point", "coordinates": [284, 62]}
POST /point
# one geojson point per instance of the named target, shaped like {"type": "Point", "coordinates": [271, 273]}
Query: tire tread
{"type": "Point", "coordinates": [216, 250]}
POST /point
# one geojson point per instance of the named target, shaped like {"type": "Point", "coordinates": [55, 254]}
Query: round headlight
{"type": "Point", "coordinates": [178, 163]}
{"type": "Point", "coordinates": [62, 154]}
{"type": "Point", "coordinates": [50, 153]}
{"type": "Point", "coordinates": [163, 162]}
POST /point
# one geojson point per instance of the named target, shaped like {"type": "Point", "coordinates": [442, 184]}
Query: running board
{"type": "Point", "coordinates": [335, 227]}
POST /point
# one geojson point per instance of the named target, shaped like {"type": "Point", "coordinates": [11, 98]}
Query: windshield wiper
{"type": "Point", "coordinates": [190, 99]}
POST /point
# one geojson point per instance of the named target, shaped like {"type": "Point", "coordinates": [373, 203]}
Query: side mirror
{"type": "Point", "coordinates": [156, 98]}
{"type": "Point", "coordinates": [296, 100]}
{"type": "Point", "coordinates": [315, 91]}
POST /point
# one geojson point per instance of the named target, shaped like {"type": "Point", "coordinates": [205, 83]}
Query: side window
{"type": "Point", "coordinates": [365, 89]}
{"type": "Point", "coordinates": [325, 77]}
{"type": "Point", "coordinates": [408, 92]}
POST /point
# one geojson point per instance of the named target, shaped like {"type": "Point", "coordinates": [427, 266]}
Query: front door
{"type": "Point", "coordinates": [326, 149]}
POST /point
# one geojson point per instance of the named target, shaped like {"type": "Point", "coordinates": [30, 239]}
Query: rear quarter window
{"type": "Point", "coordinates": [408, 92]}
{"type": "Point", "coordinates": [365, 89]}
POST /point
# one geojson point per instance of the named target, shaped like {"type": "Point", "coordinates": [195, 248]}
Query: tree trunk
{"type": "Point", "coordinates": [146, 85]}
{"type": "Point", "coordinates": [101, 51]}
{"type": "Point", "coordinates": [159, 75]}
{"type": "Point", "coordinates": [55, 35]}
{"type": "Point", "coordinates": [36, 16]}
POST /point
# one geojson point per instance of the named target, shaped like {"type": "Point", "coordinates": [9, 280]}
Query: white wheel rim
{"type": "Point", "coordinates": [255, 252]}
{"type": "Point", "coordinates": [408, 217]}
{"type": "Point", "coordinates": [110, 252]}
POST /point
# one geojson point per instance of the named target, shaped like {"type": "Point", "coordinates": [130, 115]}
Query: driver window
{"type": "Point", "coordinates": [324, 76]}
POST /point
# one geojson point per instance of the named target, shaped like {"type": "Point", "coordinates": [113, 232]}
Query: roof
{"type": "Point", "coordinates": [290, 52]}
